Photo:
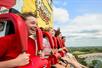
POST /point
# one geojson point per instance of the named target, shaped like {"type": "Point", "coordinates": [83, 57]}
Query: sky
{"type": "Point", "coordinates": [80, 21]}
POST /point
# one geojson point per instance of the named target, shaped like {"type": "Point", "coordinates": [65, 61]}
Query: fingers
{"type": "Point", "coordinates": [26, 54]}
{"type": "Point", "coordinates": [25, 57]}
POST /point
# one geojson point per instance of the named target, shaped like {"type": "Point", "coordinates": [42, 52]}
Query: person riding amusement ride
{"type": "Point", "coordinates": [31, 50]}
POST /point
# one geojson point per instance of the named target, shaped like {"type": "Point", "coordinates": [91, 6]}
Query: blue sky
{"type": "Point", "coordinates": [78, 7]}
{"type": "Point", "coordinates": [80, 21]}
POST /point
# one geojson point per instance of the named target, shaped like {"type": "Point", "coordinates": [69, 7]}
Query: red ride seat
{"type": "Point", "coordinates": [64, 49]}
{"type": "Point", "coordinates": [59, 41]}
{"type": "Point", "coordinates": [53, 58]}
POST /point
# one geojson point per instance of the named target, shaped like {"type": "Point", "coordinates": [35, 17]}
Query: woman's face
{"type": "Point", "coordinates": [31, 24]}
{"type": "Point", "coordinates": [53, 32]}
{"type": "Point", "coordinates": [60, 35]}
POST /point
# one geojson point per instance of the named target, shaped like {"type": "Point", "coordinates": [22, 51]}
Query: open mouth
{"type": "Point", "coordinates": [33, 29]}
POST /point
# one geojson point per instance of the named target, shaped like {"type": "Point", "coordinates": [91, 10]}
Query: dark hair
{"type": "Point", "coordinates": [63, 37]}
{"type": "Point", "coordinates": [57, 33]}
{"type": "Point", "coordinates": [42, 28]}
{"type": "Point", "coordinates": [52, 66]}
{"type": "Point", "coordinates": [27, 14]}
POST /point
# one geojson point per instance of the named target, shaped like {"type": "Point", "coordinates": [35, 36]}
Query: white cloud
{"type": "Point", "coordinates": [87, 22]}
{"type": "Point", "coordinates": [61, 15]}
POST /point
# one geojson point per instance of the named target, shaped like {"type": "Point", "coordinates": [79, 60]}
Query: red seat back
{"type": "Point", "coordinates": [22, 34]}
{"type": "Point", "coordinates": [39, 35]}
{"type": "Point", "coordinates": [59, 41]}
{"type": "Point", "coordinates": [55, 42]}
{"type": "Point", "coordinates": [50, 39]}
{"type": "Point", "coordinates": [7, 3]}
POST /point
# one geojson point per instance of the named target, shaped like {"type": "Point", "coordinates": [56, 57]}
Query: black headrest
{"type": "Point", "coordinates": [9, 28]}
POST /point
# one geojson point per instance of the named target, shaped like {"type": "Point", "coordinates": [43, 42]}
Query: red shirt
{"type": "Point", "coordinates": [11, 48]}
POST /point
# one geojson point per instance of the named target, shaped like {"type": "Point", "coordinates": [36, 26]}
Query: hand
{"type": "Point", "coordinates": [72, 61]}
{"type": "Point", "coordinates": [22, 59]}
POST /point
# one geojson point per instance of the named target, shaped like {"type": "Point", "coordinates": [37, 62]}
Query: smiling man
{"type": "Point", "coordinates": [10, 49]}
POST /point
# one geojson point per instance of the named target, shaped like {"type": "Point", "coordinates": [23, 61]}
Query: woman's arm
{"type": "Point", "coordinates": [20, 60]}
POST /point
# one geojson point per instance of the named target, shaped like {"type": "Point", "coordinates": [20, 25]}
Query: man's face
{"type": "Point", "coordinates": [32, 24]}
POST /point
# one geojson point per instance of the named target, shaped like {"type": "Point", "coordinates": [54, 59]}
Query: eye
{"type": "Point", "coordinates": [33, 22]}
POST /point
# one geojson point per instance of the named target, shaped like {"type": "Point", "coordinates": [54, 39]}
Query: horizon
{"type": "Point", "coordinates": [85, 46]}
